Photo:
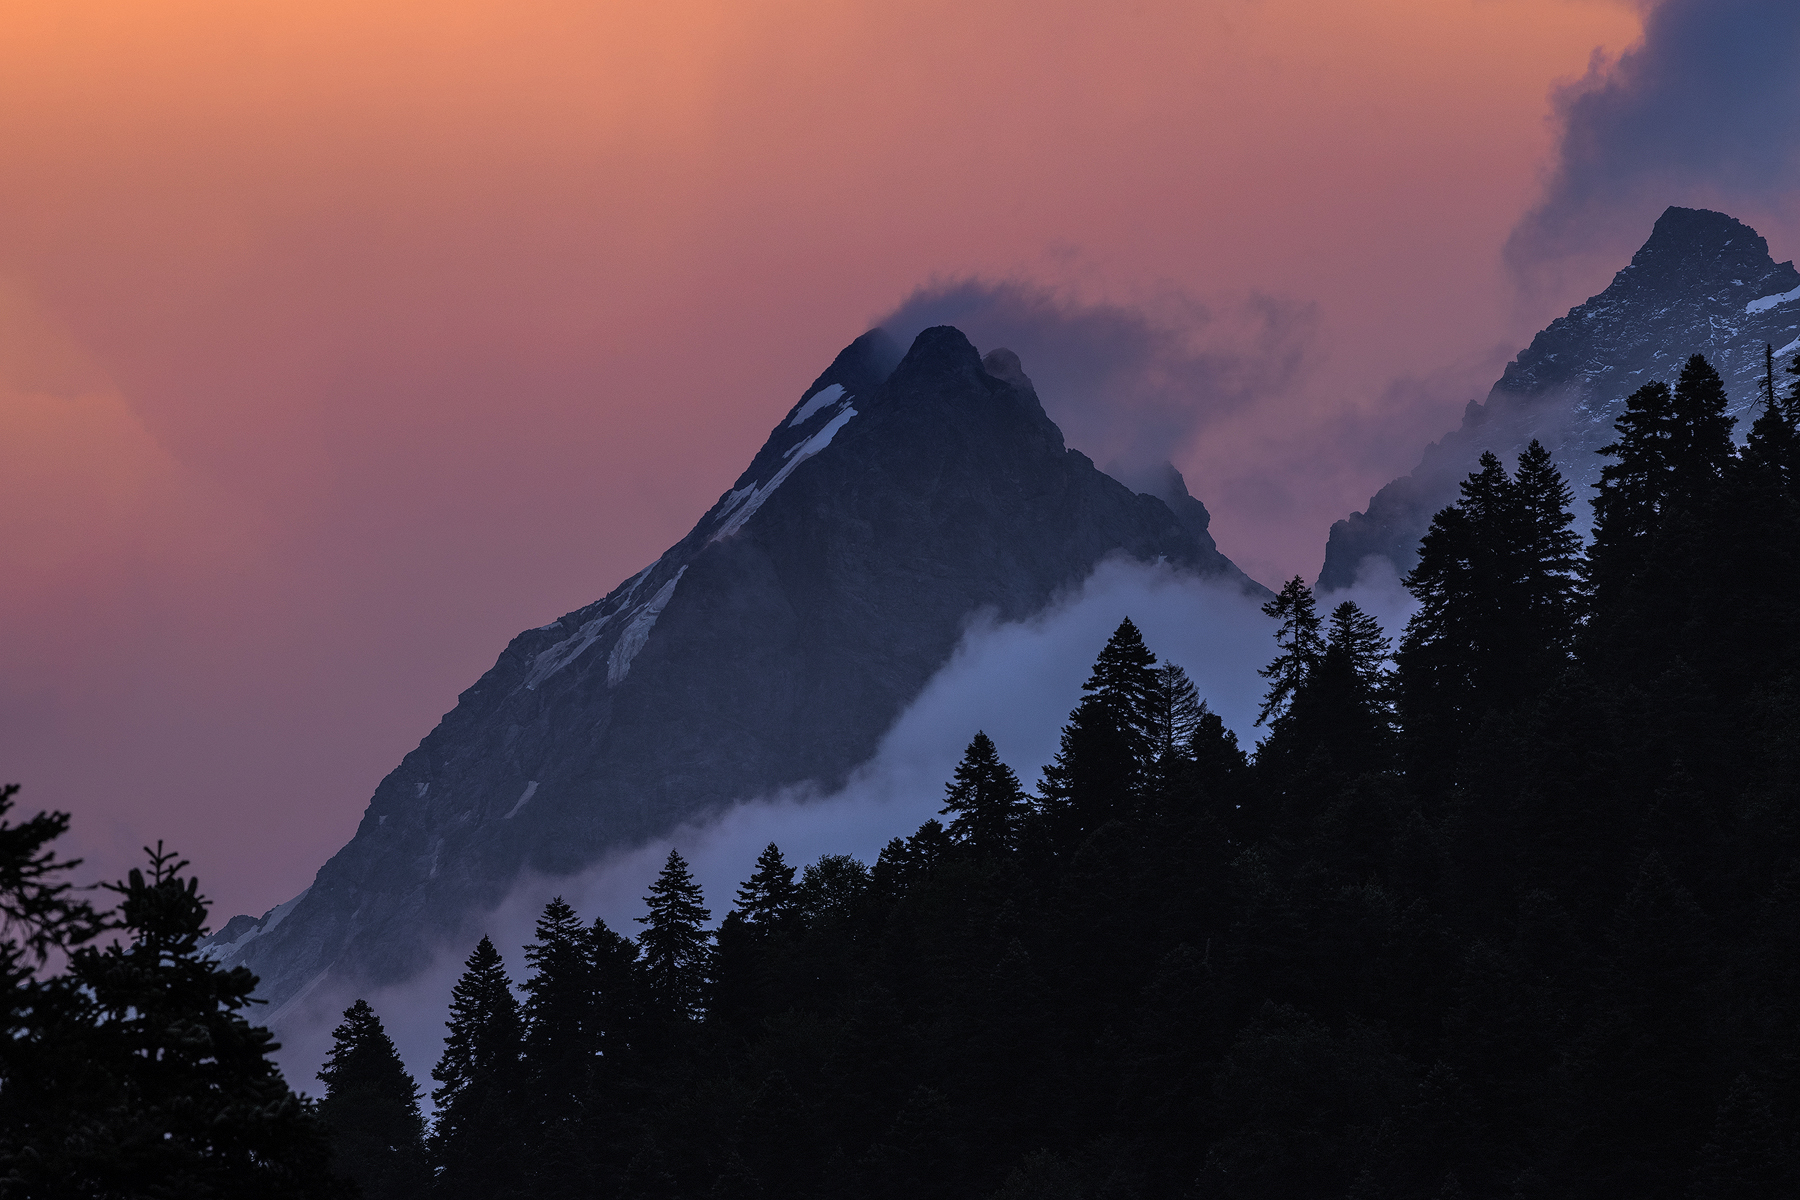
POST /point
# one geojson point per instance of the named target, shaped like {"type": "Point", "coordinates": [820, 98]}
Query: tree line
{"type": "Point", "coordinates": [1508, 909]}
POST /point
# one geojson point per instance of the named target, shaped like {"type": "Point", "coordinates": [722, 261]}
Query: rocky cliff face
{"type": "Point", "coordinates": [771, 647]}
{"type": "Point", "coordinates": [1702, 284]}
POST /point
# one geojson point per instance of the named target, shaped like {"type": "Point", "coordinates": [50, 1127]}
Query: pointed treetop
{"type": "Point", "coordinates": [985, 797]}
{"type": "Point", "coordinates": [1300, 645]}
{"type": "Point", "coordinates": [1123, 666]}
{"type": "Point", "coordinates": [767, 897]}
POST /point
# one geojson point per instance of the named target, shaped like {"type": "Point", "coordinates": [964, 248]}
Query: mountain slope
{"type": "Point", "coordinates": [1702, 284]}
{"type": "Point", "coordinates": [771, 647]}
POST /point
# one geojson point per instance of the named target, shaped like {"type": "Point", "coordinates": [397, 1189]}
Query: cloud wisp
{"type": "Point", "coordinates": [1704, 111]}
{"type": "Point", "coordinates": [1131, 384]}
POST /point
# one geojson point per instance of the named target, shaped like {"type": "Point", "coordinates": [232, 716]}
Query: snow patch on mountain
{"type": "Point", "coordinates": [618, 664]}
{"type": "Point", "coordinates": [550, 661]}
{"type": "Point", "coordinates": [1767, 302]}
{"type": "Point", "coordinates": [241, 931]}
{"type": "Point", "coordinates": [820, 399]}
{"type": "Point", "coordinates": [742, 504]}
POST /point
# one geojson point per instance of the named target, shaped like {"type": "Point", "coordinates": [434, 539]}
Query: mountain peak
{"type": "Point", "coordinates": [1691, 247]}
{"type": "Point", "coordinates": [943, 354]}
{"type": "Point", "coordinates": [766, 652]}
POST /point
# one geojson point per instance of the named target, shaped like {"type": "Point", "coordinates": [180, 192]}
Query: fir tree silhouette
{"type": "Point", "coordinates": [476, 1139]}
{"type": "Point", "coordinates": [371, 1107]}
{"type": "Point", "coordinates": [676, 944]}
{"type": "Point", "coordinates": [986, 799]}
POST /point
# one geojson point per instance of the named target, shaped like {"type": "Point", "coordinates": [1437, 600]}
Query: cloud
{"type": "Point", "coordinates": [1703, 111]}
{"type": "Point", "coordinates": [1128, 384]}
{"type": "Point", "coordinates": [1017, 681]}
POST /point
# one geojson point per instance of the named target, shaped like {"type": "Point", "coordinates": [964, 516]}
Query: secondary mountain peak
{"type": "Point", "coordinates": [1702, 283]}
{"type": "Point", "coordinates": [769, 649]}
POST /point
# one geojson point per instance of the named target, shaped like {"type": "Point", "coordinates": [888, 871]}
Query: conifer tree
{"type": "Point", "coordinates": [1338, 725]}
{"type": "Point", "coordinates": [676, 944]}
{"type": "Point", "coordinates": [1791, 402]}
{"type": "Point", "coordinates": [140, 1075]}
{"type": "Point", "coordinates": [1699, 431]}
{"type": "Point", "coordinates": [1124, 681]}
{"type": "Point", "coordinates": [1297, 637]}
{"type": "Point", "coordinates": [371, 1107]}
{"type": "Point", "coordinates": [1549, 554]}
{"type": "Point", "coordinates": [1219, 762]}
{"type": "Point", "coordinates": [561, 1050]}
{"type": "Point", "coordinates": [1175, 712]}
{"type": "Point", "coordinates": [1103, 765]}
{"type": "Point", "coordinates": [986, 797]}
{"type": "Point", "coordinates": [1499, 594]}
{"type": "Point", "coordinates": [1633, 490]}
{"type": "Point", "coordinates": [618, 989]}
{"type": "Point", "coordinates": [559, 1013]}
{"type": "Point", "coordinates": [766, 899]}
{"type": "Point", "coordinates": [475, 1140]}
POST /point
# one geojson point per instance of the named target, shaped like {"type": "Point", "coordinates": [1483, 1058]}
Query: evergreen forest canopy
{"type": "Point", "coordinates": [1510, 909]}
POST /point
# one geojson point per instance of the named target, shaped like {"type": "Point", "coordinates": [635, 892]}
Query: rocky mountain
{"type": "Point", "coordinates": [770, 648]}
{"type": "Point", "coordinates": [1702, 284]}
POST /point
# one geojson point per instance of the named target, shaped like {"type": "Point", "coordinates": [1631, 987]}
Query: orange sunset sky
{"type": "Point", "coordinates": [341, 341]}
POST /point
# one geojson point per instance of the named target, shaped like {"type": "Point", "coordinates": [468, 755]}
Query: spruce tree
{"type": "Point", "coordinates": [618, 990]}
{"type": "Point", "coordinates": [1338, 724]}
{"type": "Point", "coordinates": [1123, 679]}
{"type": "Point", "coordinates": [476, 1138]}
{"type": "Point", "coordinates": [1174, 713]}
{"type": "Point", "coordinates": [1632, 490]}
{"type": "Point", "coordinates": [1700, 432]}
{"type": "Point", "coordinates": [1297, 637]}
{"type": "Point", "coordinates": [1499, 594]}
{"type": "Point", "coordinates": [1549, 554]}
{"type": "Point", "coordinates": [560, 1039]}
{"type": "Point", "coordinates": [986, 797]}
{"type": "Point", "coordinates": [766, 899]}
{"type": "Point", "coordinates": [676, 944]}
{"type": "Point", "coordinates": [561, 1049]}
{"type": "Point", "coordinates": [371, 1107]}
{"type": "Point", "coordinates": [1102, 769]}
{"type": "Point", "coordinates": [139, 1075]}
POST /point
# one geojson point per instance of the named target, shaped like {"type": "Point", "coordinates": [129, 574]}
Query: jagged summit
{"type": "Point", "coordinates": [770, 648]}
{"type": "Point", "coordinates": [1703, 283]}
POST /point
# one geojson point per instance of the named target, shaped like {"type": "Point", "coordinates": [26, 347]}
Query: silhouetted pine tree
{"type": "Point", "coordinates": [1673, 449]}
{"type": "Point", "coordinates": [676, 945]}
{"type": "Point", "coordinates": [140, 1075]}
{"type": "Point", "coordinates": [1102, 767]}
{"type": "Point", "coordinates": [371, 1107]}
{"type": "Point", "coordinates": [476, 1140]}
{"type": "Point", "coordinates": [1549, 549]}
{"type": "Point", "coordinates": [986, 797]}
{"type": "Point", "coordinates": [1499, 594]}
{"type": "Point", "coordinates": [766, 899]}
{"type": "Point", "coordinates": [1297, 636]}
{"type": "Point", "coordinates": [1337, 725]}
{"type": "Point", "coordinates": [617, 980]}
{"type": "Point", "coordinates": [561, 1052]}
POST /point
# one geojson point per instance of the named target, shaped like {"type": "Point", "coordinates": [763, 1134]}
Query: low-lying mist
{"type": "Point", "coordinates": [1017, 681]}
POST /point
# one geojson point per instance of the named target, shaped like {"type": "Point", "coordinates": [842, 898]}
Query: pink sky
{"type": "Point", "coordinates": [341, 341]}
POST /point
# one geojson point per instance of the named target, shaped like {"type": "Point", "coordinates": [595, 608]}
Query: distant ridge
{"type": "Point", "coordinates": [1702, 284]}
